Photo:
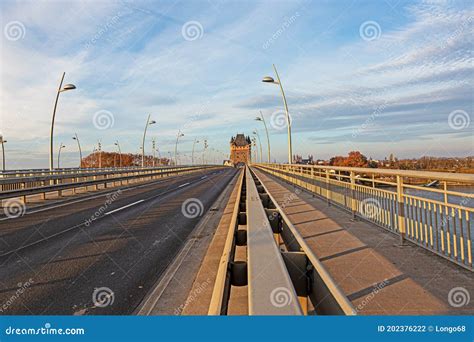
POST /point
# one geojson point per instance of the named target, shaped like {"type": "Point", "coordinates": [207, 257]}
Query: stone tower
{"type": "Point", "coordinates": [240, 149]}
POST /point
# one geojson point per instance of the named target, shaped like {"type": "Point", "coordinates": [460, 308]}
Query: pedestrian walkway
{"type": "Point", "coordinates": [379, 276]}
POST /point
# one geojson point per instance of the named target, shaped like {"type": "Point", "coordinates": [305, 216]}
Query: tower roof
{"type": "Point", "coordinates": [240, 140]}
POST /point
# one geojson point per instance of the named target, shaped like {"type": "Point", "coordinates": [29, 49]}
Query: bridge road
{"type": "Point", "coordinates": [126, 250]}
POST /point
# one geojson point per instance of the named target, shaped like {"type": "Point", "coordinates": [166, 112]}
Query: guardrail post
{"type": "Point", "coordinates": [43, 194]}
{"type": "Point", "coordinates": [328, 193]}
{"type": "Point", "coordinates": [353, 200]}
{"type": "Point", "coordinates": [401, 209]}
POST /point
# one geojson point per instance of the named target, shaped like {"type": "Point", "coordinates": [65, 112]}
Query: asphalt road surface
{"type": "Point", "coordinates": [102, 254]}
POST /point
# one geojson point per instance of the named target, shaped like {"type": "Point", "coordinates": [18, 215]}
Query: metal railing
{"type": "Point", "coordinates": [41, 178]}
{"type": "Point", "coordinates": [8, 174]}
{"type": "Point", "coordinates": [434, 210]}
{"type": "Point", "coordinates": [42, 184]}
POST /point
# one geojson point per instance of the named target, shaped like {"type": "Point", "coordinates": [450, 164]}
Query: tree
{"type": "Point", "coordinates": [354, 159]}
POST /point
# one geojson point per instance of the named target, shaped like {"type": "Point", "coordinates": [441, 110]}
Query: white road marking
{"type": "Point", "coordinates": [183, 185]}
{"type": "Point", "coordinates": [125, 206]}
{"type": "Point", "coordinates": [203, 177]}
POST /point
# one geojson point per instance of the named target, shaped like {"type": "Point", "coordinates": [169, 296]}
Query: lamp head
{"type": "Point", "coordinates": [268, 79]}
{"type": "Point", "coordinates": [68, 87]}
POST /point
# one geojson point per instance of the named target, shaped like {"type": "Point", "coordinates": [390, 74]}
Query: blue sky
{"type": "Point", "coordinates": [376, 76]}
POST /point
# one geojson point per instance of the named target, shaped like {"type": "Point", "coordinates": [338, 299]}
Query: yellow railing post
{"type": "Point", "coordinates": [401, 209]}
{"type": "Point", "coordinates": [328, 194]}
{"type": "Point", "coordinates": [353, 200]}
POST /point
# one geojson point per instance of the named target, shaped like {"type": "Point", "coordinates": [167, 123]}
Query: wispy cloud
{"type": "Point", "coordinates": [130, 58]}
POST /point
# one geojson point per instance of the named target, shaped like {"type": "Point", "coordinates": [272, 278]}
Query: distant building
{"type": "Point", "coordinates": [297, 159]}
{"type": "Point", "coordinates": [240, 149]}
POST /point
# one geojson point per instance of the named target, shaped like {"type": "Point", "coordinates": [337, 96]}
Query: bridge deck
{"type": "Point", "coordinates": [377, 274]}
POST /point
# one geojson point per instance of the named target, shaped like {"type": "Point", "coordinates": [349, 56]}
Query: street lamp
{"type": "Point", "coordinates": [3, 142]}
{"type": "Point", "coordinates": [99, 149]}
{"type": "Point", "coordinates": [75, 137]}
{"type": "Point", "coordinates": [61, 146]}
{"type": "Point", "coordinates": [176, 147]}
{"type": "Point", "coordinates": [192, 154]}
{"type": "Point", "coordinates": [153, 145]}
{"type": "Point", "coordinates": [254, 143]}
{"type": "Point", "coordinates": [120, 153]}
{"type": "Point", "coordinates": [148, 122]}
{"type": "Point", "coordinates": [261, 118]}
{"type": "Point", "coordinates": [260, 143]}
{"type": "Point", "coordinates": [269, 79]}
{"type": "Point", "coordinates": [60, 90]}
{"type": "Point", "coordinates": [204, 151]}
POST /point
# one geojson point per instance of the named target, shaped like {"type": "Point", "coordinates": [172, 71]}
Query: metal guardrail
{"type": "Point", "coordinates": [61, 171]}
{"type": "Point", "coordinates": [268, 277]}
{"type": "Point", "coordinates": [58, 183]}
{"type": "Point", "coordinates": [280, 278]}
{"type": "Point", "coordinates": [79, 175]}
{"type": "Point", "coordinates": [437, 219]}
{"type": "Point", "coordinates": [218, 304]}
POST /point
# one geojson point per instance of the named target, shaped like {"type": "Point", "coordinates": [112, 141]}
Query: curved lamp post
{"type": "Point", "coordinates": [153, 147]}
{"type": "Point", "coordinates": [261, 118]}
{"type": "Point", "coordinates": [148, 122]}
{"type": "Point", "coordinates": [120, 153]}
{"type": "Point", "coordinates": [260, 143]}
{"type": "Point", "coordinates": [3, 142]}
{"type": "Point", "coordinates": [176, 147]}
{"type": "Point", "coordinates": [192, 154]}
{"type": "Point", "coordinates": [75, 137]}
{"type": "Point", "coordinates": [254, 144]}
{"type": "Point", "coordinates": [204, 151]}
{"type": "Point", "coordinates": [269, 79]}
{"type": "Point", "coordinates": [60, 90]}
{"type": "Point", "coordinates": [61, 146]}
{"type": "Point", "coordinates": [99, 149]}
